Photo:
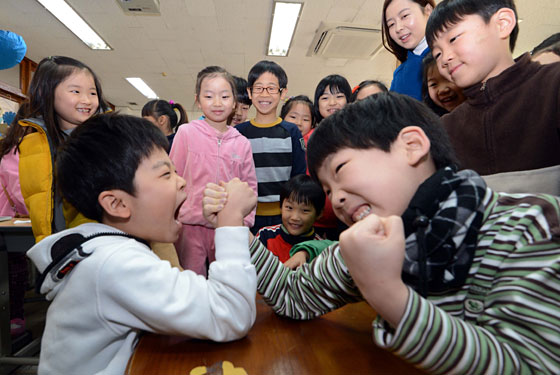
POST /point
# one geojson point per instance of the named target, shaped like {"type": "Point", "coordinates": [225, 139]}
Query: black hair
{"type": "Point", "coordinates": [550, 44]}
{"type": "Point", "coordinates": [429, 62]}
{"type": "Point", "coordinates": [103, 154]}
{"type": "Point", "coordinates": [303, 189]}
{"type": "Point", "coordinates": [40, 101]}
{"type": "Point", "coordinates": [298, 99]}
{"type": "Point", "coordinates": [450, 12]}
{"type": "Point", "coordinates": [336, 83]}
{"type": "Point", "coordinates": [265, 66]}
{"type": "Point", "coordinates": [158, 107]}
{"type": "Point", "coordinates": [375, 122]}
{"type": "Point", "coordinates": [364, 84]}
{"type": "Point", "coordinates": [241, 90]}
{"type": "Point", "coordinates": [390, 45]}
{"type": "Point", "coordinates": [211, 72]}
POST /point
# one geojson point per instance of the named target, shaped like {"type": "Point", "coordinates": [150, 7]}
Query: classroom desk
{"type": "Point", "coordinates": [337, 343]}
{"type": "Point", "coordinates": [13, 238]}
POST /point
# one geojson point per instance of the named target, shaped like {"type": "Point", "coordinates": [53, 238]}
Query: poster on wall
{"type": "Point", "coordinates": [8, 109]}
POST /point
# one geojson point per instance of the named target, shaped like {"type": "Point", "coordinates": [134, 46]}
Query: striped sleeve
{"type": "Point", "coordinates": [310, 291]}
{"type": "Point", "coordinates": [439, 343]}
{"type": "Point", "coordinates": [515, 328]}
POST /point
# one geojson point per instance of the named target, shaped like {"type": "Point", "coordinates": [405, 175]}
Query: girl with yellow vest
{"type": "Point", "coordinates": [62, 95]}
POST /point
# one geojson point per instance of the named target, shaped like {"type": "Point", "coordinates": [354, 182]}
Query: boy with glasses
{"type": "Point", "coordinates": [278, 146]}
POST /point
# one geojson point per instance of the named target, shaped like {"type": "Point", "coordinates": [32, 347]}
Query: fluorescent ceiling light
{"type": "Point", "coordinates": [141, 86]}
{"type": "Point", "coordinates": [284, 24]}
{"type": "Point", "coordinates": [68, 16]}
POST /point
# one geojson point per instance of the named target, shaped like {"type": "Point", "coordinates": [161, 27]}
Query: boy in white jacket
{"type": "Point", "coordinates": [105, 283]}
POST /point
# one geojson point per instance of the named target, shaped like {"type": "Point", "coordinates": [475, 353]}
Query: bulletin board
{"type": "Point", "coordinates": [10, 99]}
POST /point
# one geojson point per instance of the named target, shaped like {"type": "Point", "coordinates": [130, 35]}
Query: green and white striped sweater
{"type": "Point", "coordinates": [504, 320]}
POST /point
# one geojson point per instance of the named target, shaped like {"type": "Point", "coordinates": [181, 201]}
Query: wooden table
{"type": "Point", "coordinates": [337, 343]}
{"type": "Point", "coordinates": [13, 238]}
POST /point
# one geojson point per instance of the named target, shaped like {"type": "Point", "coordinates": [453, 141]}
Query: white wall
{"type": "Point", "coordinates": [10, 76]}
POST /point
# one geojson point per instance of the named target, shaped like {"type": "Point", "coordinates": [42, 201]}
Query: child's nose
{"type": "Point", "coordinates": [85, 98]}
{"type": "Point", "coordinates": [181, 183]}
{"type": "Point", "coordinates": [446, 56]}
{"type": "Point", "coordinates": [338, 198]}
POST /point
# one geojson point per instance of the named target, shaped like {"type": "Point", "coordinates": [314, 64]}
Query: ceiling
{"type": "Point", "coordinates": [168, 50]}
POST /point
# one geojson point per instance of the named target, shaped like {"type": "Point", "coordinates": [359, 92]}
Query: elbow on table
{"type": "Point", "coordinates": [238, 325]}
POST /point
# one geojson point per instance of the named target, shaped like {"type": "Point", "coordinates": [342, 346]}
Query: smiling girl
{"type": "Point", "coordinates": [208, 150]}
{"type": "Point", "coordinates": [440, 94]}
{"type": "Point", "coordinates": [331, 95]}
{"type": "Point", "coordinates": [62, 95]}
{"type": "Point", "coordinates": [403, 29]}
{"type": "Point", "coordinates": [299, 110]}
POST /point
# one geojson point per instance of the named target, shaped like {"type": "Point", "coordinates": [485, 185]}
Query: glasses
{"type": "Point", "coordinates": [271, 89]}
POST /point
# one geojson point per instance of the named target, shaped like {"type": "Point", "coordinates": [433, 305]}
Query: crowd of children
{"type": "Point", "coordinates": [464, 276]}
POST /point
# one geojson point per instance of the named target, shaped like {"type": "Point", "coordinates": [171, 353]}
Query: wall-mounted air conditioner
{"type": "Point", "coordinates": [148, 7]}
{"type": "Point", "coordinates": [345, 40]}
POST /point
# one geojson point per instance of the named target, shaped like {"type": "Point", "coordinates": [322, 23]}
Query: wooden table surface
{"type": "Point", "coordinates": [336, 343]}
{"type": "Point", "coordinates": [23, 224]}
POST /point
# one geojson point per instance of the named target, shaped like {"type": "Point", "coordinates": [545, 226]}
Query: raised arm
{"type": "Point", "coordinates": [312, 290]}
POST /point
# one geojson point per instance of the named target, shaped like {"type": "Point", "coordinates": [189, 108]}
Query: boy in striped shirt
{"type": "Point", "coordinates": [278, 146]}
{"type": "Point", "coordinates": [465, 280]}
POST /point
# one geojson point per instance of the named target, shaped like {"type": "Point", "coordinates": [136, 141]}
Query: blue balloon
{"type": "Point", "coordinates": [12, 49]}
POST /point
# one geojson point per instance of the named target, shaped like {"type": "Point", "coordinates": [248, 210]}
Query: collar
{"type": "Point", "coordinates": [293, 240]}
{"type": "Point", "coordinates": [421, 47]}
{"type": "Point", "coordinates": [509, 79]}
{"type": "Point", "coordinates": [255, 123]}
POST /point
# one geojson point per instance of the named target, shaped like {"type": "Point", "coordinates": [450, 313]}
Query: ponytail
{"type": "Point", "coordinates": [158, 107]}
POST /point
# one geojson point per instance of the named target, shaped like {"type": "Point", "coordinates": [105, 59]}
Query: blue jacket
{"type": "Point", "coordinates": [407, 78]}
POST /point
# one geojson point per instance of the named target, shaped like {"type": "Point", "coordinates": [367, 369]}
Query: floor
{"type": "Point", "coordinates": [35, 313]}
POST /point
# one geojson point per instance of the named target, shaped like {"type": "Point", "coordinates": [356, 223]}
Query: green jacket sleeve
{"type": "Point", "coordinates": [313, 248]}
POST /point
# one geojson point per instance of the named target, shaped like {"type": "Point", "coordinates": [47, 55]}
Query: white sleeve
{"type": "Point", "coordinates": [136, 289]}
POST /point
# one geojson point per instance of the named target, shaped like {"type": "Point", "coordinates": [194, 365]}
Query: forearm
{"type": "Point", "coordinates": [310, 291]}
{"type": "Point", "coordinates": [230, 218]}
{"type": "Point", "coordinates": [387, 299]}
{"type": "Point", "coordinates": [143, 292]}
{"type": "Point", "coordinates": [431, 339]}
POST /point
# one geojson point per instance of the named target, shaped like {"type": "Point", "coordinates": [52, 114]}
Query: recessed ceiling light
{"type": "Point", "coordinates": [68, 16]}
{"type": "Point", "coordinates": [141, 86]}
{"type": "Point", "coordinates": [283, 26]}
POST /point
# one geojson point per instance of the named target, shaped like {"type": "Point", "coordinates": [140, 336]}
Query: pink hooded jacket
{"type": "Point", "coordinates": [201, 155]}
{"type": "Point", "coordinates": [9, 178]}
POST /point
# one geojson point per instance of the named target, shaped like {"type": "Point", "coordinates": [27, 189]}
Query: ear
{"type": "Point", "coordinates": [506, 22]}
{"type": "Point", "coordinates": [415, 143]}
{"type": "Point", "coordinates": [428, 10]}
{"type": "Point", "coordinates": [163, 120]}
{"type": "Point", "coordinates": [284, 93]}
{"type": "Point", "coordinates": [115, 203]}
{"type": "Point", "coordinates": [197, 102]}
{"type": "Point", "coordinates": [250, 93]}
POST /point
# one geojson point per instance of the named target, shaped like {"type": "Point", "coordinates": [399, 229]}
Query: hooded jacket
{"type": "Point", "coordinates": [114, 286]}
{"type": "Point", "coordinates": [201, 155]}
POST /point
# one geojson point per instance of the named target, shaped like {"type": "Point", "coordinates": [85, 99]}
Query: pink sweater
{"type": "Point", "coordinates": [201, 155]}
{"type": "Point", "coordinates": [9, 178]}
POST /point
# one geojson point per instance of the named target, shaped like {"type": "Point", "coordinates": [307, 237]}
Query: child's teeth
{"type": "Point", "coordinates": [366, 212]}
